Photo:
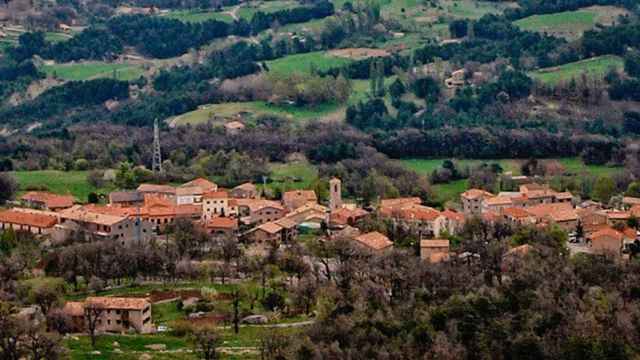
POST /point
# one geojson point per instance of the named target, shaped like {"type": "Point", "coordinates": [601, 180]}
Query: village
{"type": "Point", "coordinates": [245, 216]}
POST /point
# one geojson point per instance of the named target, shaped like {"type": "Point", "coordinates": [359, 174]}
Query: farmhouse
{"type": "Point", "coordinates": [46, 200]}
{"type": "Point", "coordinates": [118, 314]}
{"type": "Point", "coordinates": [101, 223]}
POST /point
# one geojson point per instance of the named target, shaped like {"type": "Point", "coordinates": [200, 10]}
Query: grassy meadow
{"type": "Point", "coordinates": [199, 15]}
{"type": "Point", "coordinates": [60, 182]}
{"type": "Point", "coordinates": [571, 24]}
{"type": "Point", "coordinates": [595, 67]}
{"type": "Point", "coordinates": [92, 70]}
{"type": "Point", "coordinates": [304, 63]}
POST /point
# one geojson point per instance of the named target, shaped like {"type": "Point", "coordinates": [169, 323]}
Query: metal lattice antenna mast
{"type": "Point", "coordinates": [157, 156]}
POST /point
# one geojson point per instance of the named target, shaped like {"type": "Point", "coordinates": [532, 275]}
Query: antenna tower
{"type": "Point", "coordinates": [157, 156]}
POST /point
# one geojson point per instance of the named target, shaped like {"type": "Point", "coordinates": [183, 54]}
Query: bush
{"type": "Point", "coordinates": [273, 301]}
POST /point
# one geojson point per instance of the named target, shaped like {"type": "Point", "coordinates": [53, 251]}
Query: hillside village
{"type": "Point", "coordinates": [319, 179]}
{"type": "Point", "coordinates": [244, 216]}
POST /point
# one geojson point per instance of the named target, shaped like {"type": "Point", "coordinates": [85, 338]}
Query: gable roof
{"type": "Point", "coordinates": [516, 213]}
{"type": "Point", "coordinates": [122, 303]}
{"type": "Point", "coordinates": [82, 214]}
{"type": "Point", "coordinates": [222, 223]}
{"type": "Point", "coordinates": [270, 227]}
{"type": "Point", "coordinates": [542, 211]}
{"type": "Point", "coordinates": [608, 232]}
{"type": "Point", "coordinates": [31, 218]}
{"type": "Point", "coordinates": [400, 202]}
{"type": "Point", "coordinates": [374, 240]}
{"type": "Point", "coordinates": [202, 183]}
{"type": "Point", "coordinates": [155, 188]}
{"type": "Point", "coordinates": [498, 200]}
{"type": "Point", "coordinates": [473, 194]}
{"type": "Point", "coordinates": [126, 196]}
{"type": "Point", "coordinates": [305, 195]}
{"type": "Point", "coordinates": [50, 200]}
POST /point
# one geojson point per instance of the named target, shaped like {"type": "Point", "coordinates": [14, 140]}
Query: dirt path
{"type": "Point", "coordinates": [233, 12]}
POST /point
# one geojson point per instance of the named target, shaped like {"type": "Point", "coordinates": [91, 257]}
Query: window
{"type": "Point", "coordinates": [108, 322]}
{"type": "Point", "coordinates": [118, 322]}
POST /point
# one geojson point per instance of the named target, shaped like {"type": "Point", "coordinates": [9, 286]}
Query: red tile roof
{"type": "Point", "coordinates": [609, 232]}
{"type": "Point", "coordinates": [30, 218]}
{"type": "Point", "coordinates": [202, 183]}
{"type": "Point", "coordinates": [516, 213]}
{"type": "Point", "coordinates": [434, 243]}
{"type": "Point", "coordinates": [121, 303]}
{"type": "Point", "coordinates": [475, 194]}
{"type": "Point", "coordinates": [374, 240]}
{"type": "Point", "coordinates": [222, 223]}
{"type": "Point", "coordinates": [50, 200]}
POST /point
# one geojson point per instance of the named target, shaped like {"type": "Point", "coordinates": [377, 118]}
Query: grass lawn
{"type": "Point", "coordinates": [296, 175]}
{"type": "Point", "coordinates": [450, 191]}
{"type": "Point", "coordinates": [199, 15]}
{"type": "Point", "coordinates": [594, 67]}
{"type": "Point", "coordinates": [60, 182]}
{"type": "Point", "coordinates": [56, 36]}
{"type": "Point", "coordinates": [84, 71]}
{"type": "Point", "coordinates": [166, 312]}
{"type": "Point", "coordinates": [305, 62]}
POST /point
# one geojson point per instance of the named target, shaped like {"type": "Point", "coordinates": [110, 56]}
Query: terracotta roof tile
{"type": "Point", "coordinates": [222, 223]}
{"type": "Point", "coordinates": [475, 194]}
{"type": "Point", "coordinates": [31, 218]}
{"type": "Point", "coordinates": [122, 303]}
{"type": "Point", "coordinates": [50, 200]}
{"type": "Point", "coordinates": [374, 240]}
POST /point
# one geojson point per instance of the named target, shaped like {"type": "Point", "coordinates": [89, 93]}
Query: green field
{"type": "Point", "coordinates": [594, 67]}
{"type": "Point", "coordinates": [56, 36]}
{"type": "Point", "coordinates": [93, 70]}
{"type": "Point", "coordinates": [305, 62]}
{"type": "Point", "coordinates": [571, 24]}
{"type": "Point", "coordinates": [578, 20]}
{"type": "Point", "coordinates": [199, 15]}
{"type": "Point", "coordinates": [294, 175]}
{"type": "Point", "coordinates": [249, 9]}
{"type": "Point", "coordinates": [256, 108]}
{"type": "Point", "coordinates": [60, 182]}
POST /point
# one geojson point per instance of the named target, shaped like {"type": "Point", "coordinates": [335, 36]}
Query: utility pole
{"type": "Point", "coordinates": [157, 155]}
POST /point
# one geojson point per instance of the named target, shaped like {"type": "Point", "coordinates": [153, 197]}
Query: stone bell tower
{"type": "Point", "coordinates": [335, 193]}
